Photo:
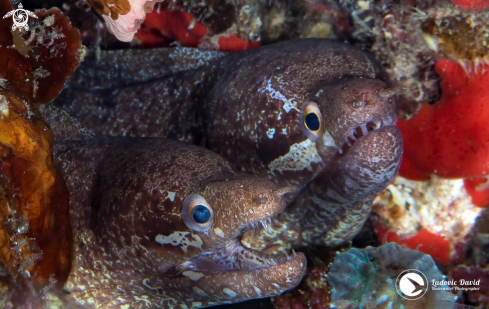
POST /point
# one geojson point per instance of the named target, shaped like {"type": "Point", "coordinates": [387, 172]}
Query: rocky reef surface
{"type": "Point", "coordinates": [437, 49]}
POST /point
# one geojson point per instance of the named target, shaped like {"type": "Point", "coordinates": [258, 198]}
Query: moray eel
{"type": "Point", "coordinates": [333, 207]}
{"type": "Point", "coordinates": [291, 112]}
{"type": "Point", "coordinates": [158, 223]}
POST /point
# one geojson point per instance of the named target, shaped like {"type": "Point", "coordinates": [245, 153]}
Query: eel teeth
{"type": "Point", "coordinates": [273, 262]}
{"type": "Point", "coordinates": [269, 220]}
{"type": "Point", "coordinates": [377, 124]}
{"type": "Point", "coordinates": [265, 225]}
{"type": "Point", "coordinates": [293, 251]}
{"type": "Point", "coordinates": [364, 129]}
{"type": "Point", "coordinates": [288, 257]}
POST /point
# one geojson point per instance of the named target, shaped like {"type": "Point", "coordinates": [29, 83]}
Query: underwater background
{"type": "Point", "coordinates": [85, 69]}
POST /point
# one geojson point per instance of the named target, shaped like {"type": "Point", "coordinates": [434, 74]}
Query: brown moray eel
{"type": "Point", "coordinates": [291, 111]}
{"type": "Point", "coordinates": [158, 223]}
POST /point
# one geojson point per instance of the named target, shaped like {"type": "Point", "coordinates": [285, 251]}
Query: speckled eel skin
{"type": "Point", "coordinates": [158, 223]}
{"type": "Point", "coordinates": [312, 113]}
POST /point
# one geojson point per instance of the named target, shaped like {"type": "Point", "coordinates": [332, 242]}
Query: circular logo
{"type": "Point", "coordinates": [411, 284]}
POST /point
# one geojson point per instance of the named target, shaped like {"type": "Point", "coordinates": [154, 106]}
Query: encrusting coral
{"type": "Point", "coordinates": [238, 27]}
{"type": "Point", "coordinates": [450, 138]}
{"type": "Point", "coordinates": [432, 216]}
{"type": "Point", "coordinates": [35, 234]}
{"type": "Point", "coordinates": [122, 17]}
{"type": "Point", "coordinates": [472, 5]}
{"type": "Point", "coordinates": [366, 278]}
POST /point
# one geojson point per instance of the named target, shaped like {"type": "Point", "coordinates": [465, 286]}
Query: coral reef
{"type": "Point", "coordinates": [439, 139]}
{"type": "Point", "coordinates": [468, 45]}
{"type": "Point", "coordinates": [35, 234]}
{"type": "Point", "coordinates": [312, 293]}
{"type": "Point", "coordinates": [473, 5]}
{"type": "Point", "coordinates": [478, 189]}
{"type": "Point", "coordinates": [168, 24]}
{"type": "Point", "coordinates": [393, 33]}
{"type": "Point", "coordinates": [478, 295]}
{"type": "Point", "coordinates": [365, 278]}
{"type": "Point", "coordinates": [122, 17]}
{"type": "Point", "coordinates": [417, 43]}
{"type": "Point", "coordinates": [439, 206]}
{"type": "Point", "coordinates": [470, 263]}
{"type": "Point", "coordinates": [429, 243]}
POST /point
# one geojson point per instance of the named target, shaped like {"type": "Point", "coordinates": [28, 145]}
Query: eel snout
{"type": "Point", "coordinates": [346, 110]}
{"type": "Point", "coordinates": [210, 285]}
{"type": "Point", "coordinates": [362, 130]}
{"type": "Point", "coordinates": [371, 163]}
{"type": "Point", "coordinates": [234, 272]}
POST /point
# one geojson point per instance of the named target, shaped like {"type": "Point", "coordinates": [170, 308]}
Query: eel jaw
{"type": "Point", "coordinates": [362, 130]}
{"type": "Point", "coordinates": [233, 272]}
{"type": "Point", "coordinates": [236, 273]}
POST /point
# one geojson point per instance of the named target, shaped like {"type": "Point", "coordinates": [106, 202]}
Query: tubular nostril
{"type": "Point", "coordinates": [389, 92]}
{"type": "Point", "coordinates": [285, 190]}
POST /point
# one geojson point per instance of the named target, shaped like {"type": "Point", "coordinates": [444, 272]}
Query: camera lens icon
{"type": "Point", "coordinates": [411, 284]}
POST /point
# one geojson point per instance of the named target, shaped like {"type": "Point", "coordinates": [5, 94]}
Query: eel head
{"type": "Point", "coordinates": [345, 110]}
{"type": "Point", "coordinates": [217, 215]}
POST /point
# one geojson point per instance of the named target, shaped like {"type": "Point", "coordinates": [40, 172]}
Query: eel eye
{"type": "Point", "coordinates": [201, 214]}
{"type": "Point", "coordinates": [198, 215]}
{"type": "Point", "coordinates": [312, 120]}
{"type": "Point", "coordinates": [357, 103]}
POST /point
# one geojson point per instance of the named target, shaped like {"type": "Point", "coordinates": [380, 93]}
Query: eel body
{"type": "Point", "coordinates": [292, 112]}
{"type": "Point", "coordinates": [158, 223]}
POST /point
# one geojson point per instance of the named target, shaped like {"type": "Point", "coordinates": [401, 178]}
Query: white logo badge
{"type": "Point", "coordinates": [20, 17]}
{"type": "Point", "coordinates": [411, 284]}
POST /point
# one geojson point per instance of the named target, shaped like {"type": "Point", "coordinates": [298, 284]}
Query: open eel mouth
{"type": "Point", "coordinates": [362, 130]}
{"type": "Point", "coordinates": [236, 273]}
{"type": "Point", "coordinates": [234, 256]}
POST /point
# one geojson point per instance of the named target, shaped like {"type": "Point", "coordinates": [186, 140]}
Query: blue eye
{"type": "Point", "coordinates": [201, 214]}
{"type": "Point", "coordinates": [312, 121]}
{"type": "Point", "coordinates": [197, 214]}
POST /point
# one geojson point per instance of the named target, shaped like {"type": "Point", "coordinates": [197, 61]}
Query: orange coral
{"type": "Point", "coordinates": [233, 43]}
{"type": "Point", "coordinates": [35, 233]}
{"type": "Point", "coordinates": [478, 188]}
{"type": "Point", "coordinates": [450, 138]}
{"type": "Point", "coordinates": [171, 25]}
{"type": "Point", "coordinates": [474, 5]}
{"type": "Point", "coordinates": [34, 195]}
{"type": "Point", "coordinates": [162, 27]}
{"type": "Point", "coordinates": [424, 241]}
{"type": "Point", "coordinates": [122, 17]}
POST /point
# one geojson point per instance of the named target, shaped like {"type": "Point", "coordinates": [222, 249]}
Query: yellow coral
{"type": "Point", "coordinates": [33, 199]}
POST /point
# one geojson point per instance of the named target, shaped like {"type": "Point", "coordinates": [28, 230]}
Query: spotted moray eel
{"type": "Point", "coordinates": [312, 113]}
